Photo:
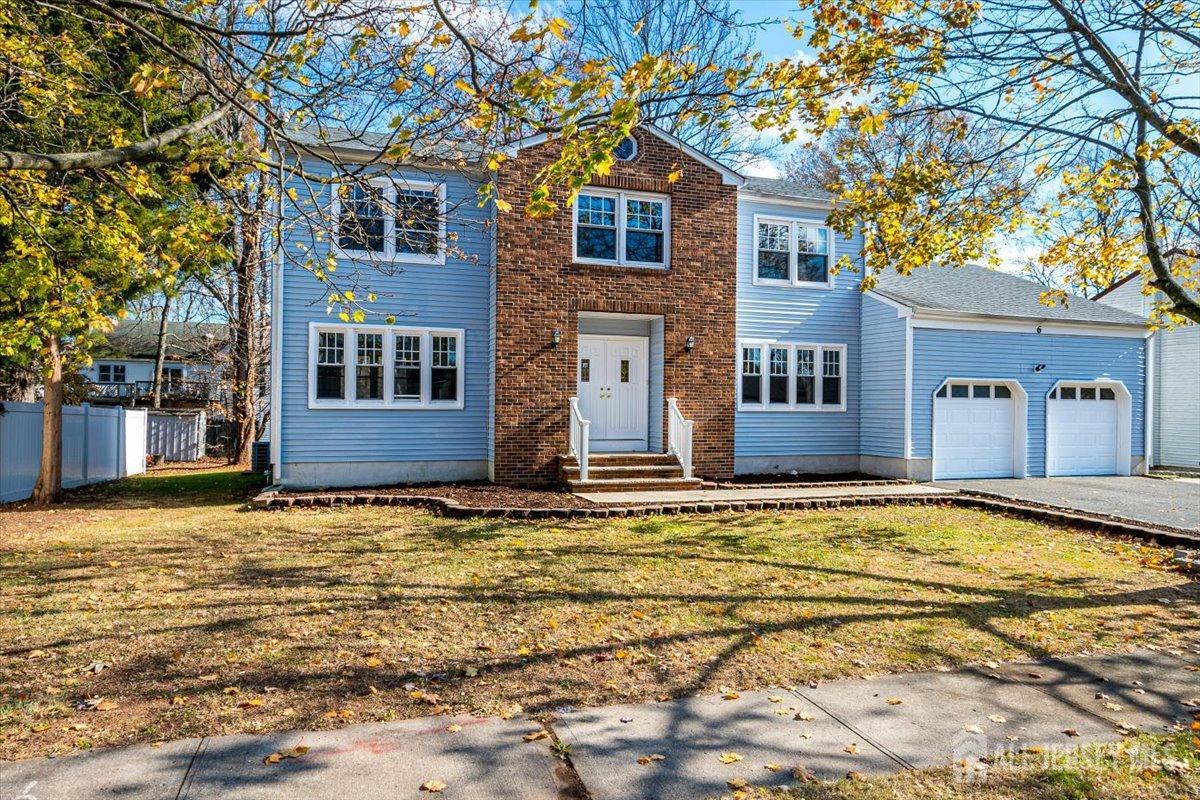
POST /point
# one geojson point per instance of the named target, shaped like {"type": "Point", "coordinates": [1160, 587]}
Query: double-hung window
{"type": "Point", "coordinates": [792, 252]}
{"type": "Point", "coordinates": [110, 373]}
{"type": "Point", "coordinates": [797, 377]}
{"type": "Point", "coordinates": [622, 228]}
{"type": "Point", "coordinates": [377, 366]}
{"type": "Point", "coordinates": [390, 220]}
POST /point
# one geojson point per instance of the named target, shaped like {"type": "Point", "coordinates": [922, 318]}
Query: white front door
{"type": "Point", "coordinates": [614, 390]}
{"type": "Point", "coordinates": [1081, 429]}
{"type": "Point", "coordinates": [973, 431]}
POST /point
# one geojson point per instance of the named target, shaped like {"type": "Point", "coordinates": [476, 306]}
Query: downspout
{"type": "Point", "coordinates": [277, 337]}
{"type": "Point", "coordinates": [1148, 403]}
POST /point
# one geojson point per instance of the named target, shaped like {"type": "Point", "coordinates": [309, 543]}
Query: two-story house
{"type": "Point", "coordinates": [658, 330]}
{"type": "Point", "coordinates": [1175, 395]}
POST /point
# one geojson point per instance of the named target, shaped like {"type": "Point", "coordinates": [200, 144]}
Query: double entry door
{"type": "Point", "coordinates": [614, 390]}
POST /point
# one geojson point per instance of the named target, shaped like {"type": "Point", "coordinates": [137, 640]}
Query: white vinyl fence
{"type": "Point", "coordinates": [176, 436]}
{"type": "Point", "coordinates": [98, 443]}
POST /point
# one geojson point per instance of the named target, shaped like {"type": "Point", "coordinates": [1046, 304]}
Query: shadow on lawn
{"type": "Point", "coordinates": [351, 584]}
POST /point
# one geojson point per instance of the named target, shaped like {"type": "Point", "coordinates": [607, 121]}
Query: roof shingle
{"type": "Point", "coordinates": [973, 289]}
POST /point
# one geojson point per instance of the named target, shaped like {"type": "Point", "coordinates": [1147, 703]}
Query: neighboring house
{"type": "Point", "coordinates": [1175, 354]}
{"type": "Point", "coordinates": [698, 318]}
{"type": "Point", "coordinates": [122, 369]}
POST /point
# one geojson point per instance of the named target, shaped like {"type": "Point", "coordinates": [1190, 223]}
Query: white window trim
{"type": "Point", "coordinates": [389, 332]}
{"type": "Point", "coordinates": [389, 186]}
{"type": "Point", "coordinates": [621, 197]}
{"type": "Point", "coordinates": [794, 225]}
{"type": "Point", "coordinates": [818, 348]}
{"type": "Point", "coordinates": [112, 372]}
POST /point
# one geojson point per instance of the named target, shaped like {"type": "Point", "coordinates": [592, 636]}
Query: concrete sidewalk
{"type": "Point", "coordinates": [829, 730]}
{"type": "Point", "coordinates": [766, 493]}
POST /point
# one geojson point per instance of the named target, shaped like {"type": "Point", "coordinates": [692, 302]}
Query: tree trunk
{"type": "Point", "coordinates": [48, 488]}
{"type": "Point", "coordinates": [245, 368]}
{"type": "Point", "coordinates": [160, 352]}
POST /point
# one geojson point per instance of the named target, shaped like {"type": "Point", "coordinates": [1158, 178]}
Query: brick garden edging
{"type": "Point", "coordinates": [275, 500]}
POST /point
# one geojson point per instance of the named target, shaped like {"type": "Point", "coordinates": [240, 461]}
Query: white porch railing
{"type": "Point", "coordinates": [679, 436]}
{"type": "Point", "coordinates": [578, 438]}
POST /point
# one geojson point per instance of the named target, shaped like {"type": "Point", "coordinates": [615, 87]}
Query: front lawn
{"type": "Point", "coordinates": [160, 608]}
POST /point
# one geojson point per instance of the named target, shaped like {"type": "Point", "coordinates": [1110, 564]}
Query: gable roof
{"type": "Point", "coordinates": [977, 291]}
{"type": "Point", "coordinates": [1116, 285]}
{"type": "Point", "coordinates": [729, 174]}
{"type": "Point", "coordinates": [791, 189]}
{"type": "Point", "coordinates": [185, 341]}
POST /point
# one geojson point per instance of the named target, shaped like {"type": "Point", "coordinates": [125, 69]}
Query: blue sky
{"type": "Point", "coordinates": [772, 39]}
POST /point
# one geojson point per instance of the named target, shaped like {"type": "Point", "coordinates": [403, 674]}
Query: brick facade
{"type": "Point", "coordinates": [540, 289]}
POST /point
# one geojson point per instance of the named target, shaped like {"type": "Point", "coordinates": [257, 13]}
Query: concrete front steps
{"type": "Point", "coordinates": [627, 472]}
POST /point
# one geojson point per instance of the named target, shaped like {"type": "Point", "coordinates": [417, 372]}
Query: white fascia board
{"type": "Point", "coordinates": [901, 309]}
{"type": "Point", "coordinates": [729, 176]}
{"type": "Point", "coordinates": [925, 318]}
{"type": "Point", "coordinates": [784, 200]}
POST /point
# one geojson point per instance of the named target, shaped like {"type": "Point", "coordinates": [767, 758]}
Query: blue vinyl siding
{"type": "Point", "coordinates": [940, 354]}
{"type": "Point", "coordinates": [793, 314]}
{"type": "Point", "coordinates": [454, 295]}
{"type": "Point", "coordinates": [881, 416]}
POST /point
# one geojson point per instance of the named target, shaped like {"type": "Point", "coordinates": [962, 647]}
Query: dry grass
{"type": "Point", "coordinates": [1143, 768]}
{"type": "Point", "coordinates": [214, 619]}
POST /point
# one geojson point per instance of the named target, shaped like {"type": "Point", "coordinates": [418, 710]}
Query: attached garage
{"type": "Point", "coordinates": [1087, 429]}
{"type": "Point", "coordinates": [999, 385]}
{"type": "Point", "coordinates": [978, 429]}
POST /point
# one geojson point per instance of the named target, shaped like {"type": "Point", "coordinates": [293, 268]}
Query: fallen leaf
{"type": "Point", "coordinates": [850, 748]}
{"type": "Point", "coordinates": [803, 716]}
{"type": "Point", "coordinates": [894, 701]}
{"type": "Point", "coordinates": [652, 757]}
{"type": "Point", "coordinates": [291, 752]}
{"type": "Point", "coordinates": [433, 787]}
{"type": "Point", "coordinates": [1035, 675]}
{"type": "Point", "coordinates": [775, 698]}
{"type": "Point", "coordinates": [453, 728]}
{"type": "Point", "coordinates": [1071, 732]}
{"type": "Point", "coordinates": [973, 729]}
{"type": "Point", "coordinates": [730, 696]}
{"type": "Point", "coordinates": [729, 758]}
{"type": "Point", "coordinates": [107, 705]}
{"type": "Point", "coordinates": [1113, 706]}
{"type": "Point", "coordinates": [996, 718]}
{"type": "Point", "coordinates": [736, 783]}
{"type": "Point", "coordinates": [253, 702]}
{"type": "Point", "coordinates": [772, 767]}
{"type": "Point", "coordinates": [854, 775]}
{"type": "Point", "coordinates": [534, 736]}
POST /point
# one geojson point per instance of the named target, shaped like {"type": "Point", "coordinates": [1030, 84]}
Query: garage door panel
{"type": "Point", "coordinates": [1081, 437]}
{"type": "Point", "coordinates": [973, 437]}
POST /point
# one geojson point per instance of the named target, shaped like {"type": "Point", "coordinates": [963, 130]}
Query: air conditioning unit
{"type": "Point", "coordinates": [260, 456]}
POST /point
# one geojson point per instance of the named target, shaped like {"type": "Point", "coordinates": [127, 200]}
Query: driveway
{"type": "Point", "coordinates": [1175, 503]}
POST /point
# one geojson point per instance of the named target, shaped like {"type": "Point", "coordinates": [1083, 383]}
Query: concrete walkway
{"type": "Point", "coordinates": [777, 493]}
{"type": "Point", "coordinates": [829, 730]}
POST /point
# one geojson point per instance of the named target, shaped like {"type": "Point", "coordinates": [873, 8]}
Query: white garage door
{"type": "Point", "coordinates": [973, 431]}
{"type": "Point", "coordinates": [1081, 431]}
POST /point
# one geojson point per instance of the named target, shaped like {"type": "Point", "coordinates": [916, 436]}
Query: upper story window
{"type": "Point", "coordinates": [791, 252]}
{"type": "Point", "coordinates": [376, 366]}
{"type": "Point", "coordinates": [110, 373]}
{"type": "Point", "coordinates": [798, 377]}
{"type": "Point", "coordinates": [622, 228]}
{"type": "Point", "coordinates": [390, 220]}
{"type": "Point", "coordinates": [626, 149]}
